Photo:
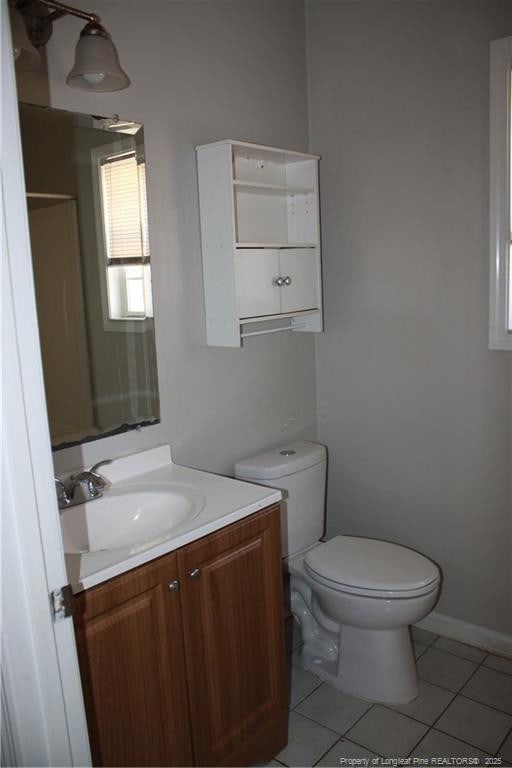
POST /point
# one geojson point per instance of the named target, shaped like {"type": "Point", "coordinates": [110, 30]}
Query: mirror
{"type": "Point", "coordinates": [86, 197]}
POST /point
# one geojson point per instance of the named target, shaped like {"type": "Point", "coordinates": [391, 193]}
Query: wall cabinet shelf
{"type": "Point", "coordinates": [182, 659]}
{"type": "Point", "coordinates": [260, 235]}
{"type": "Point", "coordinates": [257, 188]}
{"type": "Point", "coordinates": [274, 245]}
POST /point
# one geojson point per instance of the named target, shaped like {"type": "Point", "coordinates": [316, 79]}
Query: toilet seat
{"type": "Point", "coordinates": [371, 568]}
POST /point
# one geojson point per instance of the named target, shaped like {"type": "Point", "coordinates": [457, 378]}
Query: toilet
{"type": "Point", "coordinates": [354, 597]}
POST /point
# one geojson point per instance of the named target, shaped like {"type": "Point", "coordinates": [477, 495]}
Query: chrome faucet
{"type": "Point", "coordinates": [86, 486]}
{"type": "Point", "coordinates": [63, 497]}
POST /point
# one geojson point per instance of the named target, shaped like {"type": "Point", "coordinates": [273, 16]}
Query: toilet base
{"type": "Point", "coordinates": [377, 665]}
{"type": "Point", "coordinates": [374, 664]}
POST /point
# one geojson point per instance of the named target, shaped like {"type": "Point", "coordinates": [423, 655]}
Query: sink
{"type": "Point", "coordinates": [130, 516]}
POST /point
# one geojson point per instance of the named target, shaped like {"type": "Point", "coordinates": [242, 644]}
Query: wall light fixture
{"type": "Point", "coordinates": [96, 66]}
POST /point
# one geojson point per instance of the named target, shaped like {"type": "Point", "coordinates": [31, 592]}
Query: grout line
{"type": "Point", "coordinates": [456, 738]}
{"type": "Point", "coordinates": [429, 728]}
{"type": "Point", "coordinates": [341, 735]}
{"type": "Point", "coordinates": [484, 704]}
{"type": "Point", "coordinates": [328, 750]}
{"type": "Point", "coordinates": [420, 654]}
{"type": "Point", "coordinates": [498, 671]}
{"type": "Point", "coordinates": [477, 701]}
{"type": "Point", "coordinates": [464, 741]}
{"type": "Point", "coordinates": [501, 671]}
{"type": "Point", "coordinates": [477, 667]}
{"type": "Point", "coordinates": [509, 732]}
{"type": "Point", "coordinates": [458, 656]}
{"type": "Point", "coordinates": [429, 645]}
{"type": "Point", "coordinates": [320, 682]}
{"type": "Point", "coordinates": [364, 746]}
{"type": "Point", "coordinates": [327, 728]}
{"type": "Point", "coordinates": [454, 698]}
{"type": "Point", "coordinates": [409, 717]}
{"type": "Point", "coordinates": [459, 692]}
{"type": "Point", "coordinates": [355, 743]}
{"type": "Point", "coordinates": [358, 719]}
{"type": "Point", "coordinates": [450, 690]}
{"type": "Point", "coordinates": [422, 722]}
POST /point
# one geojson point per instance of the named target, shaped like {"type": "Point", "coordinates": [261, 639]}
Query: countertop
{"type": "Point", "coordinates": [227, 501]}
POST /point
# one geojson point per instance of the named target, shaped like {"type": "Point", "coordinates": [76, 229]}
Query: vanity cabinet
{"type": "Point", "coordinates": [260, 236]}
{"type": "Point", "coordinates": [182, 659]}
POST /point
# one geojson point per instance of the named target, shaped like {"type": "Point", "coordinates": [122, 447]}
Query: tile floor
{"type": "Point", "coordinates": [464, 710]}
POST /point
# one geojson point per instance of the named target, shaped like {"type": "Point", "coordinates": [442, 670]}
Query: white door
{"type": "Point", "coordinates": [256, 271]}
{"type": "Point", "coordinates": [300, 270]}
{"type": "Point", "coordinates": [41, 692]}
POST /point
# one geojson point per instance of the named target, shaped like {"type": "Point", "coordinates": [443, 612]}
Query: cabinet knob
{"type": "Point", "coordinates": [174, 585]}
{"type": "Point", "coordinates": [278, 281]}
{"type": "Point", "coordinates": [287, 280]}
{"type": "Point", "coordinates": [195, 574]}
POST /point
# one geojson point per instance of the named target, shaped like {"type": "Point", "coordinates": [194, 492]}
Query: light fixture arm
{"type": "Point", "coordinates": [62, 10]}
{"type": "Point", "coordinates": [39, 16]}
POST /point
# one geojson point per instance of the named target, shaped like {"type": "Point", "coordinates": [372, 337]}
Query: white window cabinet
{"type": "Point", "coordinates": [260, 238]}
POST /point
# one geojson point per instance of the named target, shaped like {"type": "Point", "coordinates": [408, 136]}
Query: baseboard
{"type": "Point", "coordinates": [472, 634]}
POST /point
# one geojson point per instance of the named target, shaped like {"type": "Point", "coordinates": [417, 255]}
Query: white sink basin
{"type": "Point", "coordinates": [131, 516]}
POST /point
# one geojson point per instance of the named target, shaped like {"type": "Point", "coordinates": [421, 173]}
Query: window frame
{"type": "Point", "coordinates": [500, 337]}
{"type": "Point", "coordinates": [134, 324]}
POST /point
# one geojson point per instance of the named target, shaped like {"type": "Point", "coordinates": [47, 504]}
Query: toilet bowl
{"type": "Point", "coordinates": [370, 601]}
{"type": "Point", "coordinates": [354, 597]}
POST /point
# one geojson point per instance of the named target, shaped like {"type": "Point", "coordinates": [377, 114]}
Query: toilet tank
{"type": "Point", "coordinates": [299, 469]}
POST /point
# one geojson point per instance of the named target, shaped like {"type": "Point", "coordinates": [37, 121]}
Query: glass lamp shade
{"type": "Point", "coordinates": [97, 66]}
{"type": "Point", "coordinates": [25, 55]}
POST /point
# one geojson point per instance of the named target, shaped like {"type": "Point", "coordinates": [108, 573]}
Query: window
{"type": "Point", "coordinates": [125, 229]}
{"type": "Point", "coordinates": [500, 332]}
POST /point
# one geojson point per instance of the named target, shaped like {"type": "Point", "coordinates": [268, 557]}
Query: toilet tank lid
{"type": "Point", "coordinates": [279, 462]}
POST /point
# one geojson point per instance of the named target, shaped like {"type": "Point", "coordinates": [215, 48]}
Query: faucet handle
{"type": "Point", "coordinates": [95, 467]}
{"type": "Point", "coordinates": [100, 481]}
{"type": "Point", "coordinates": [63, 497]}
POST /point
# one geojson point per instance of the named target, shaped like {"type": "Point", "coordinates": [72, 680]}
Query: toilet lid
{"type": "Point", "coordinates": [371, 564]}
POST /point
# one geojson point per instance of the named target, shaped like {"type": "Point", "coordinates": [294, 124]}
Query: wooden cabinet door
{"type": "Point", "coordinates": [130, 648]}
{"type": "Point", "coordinates": [233, 628]}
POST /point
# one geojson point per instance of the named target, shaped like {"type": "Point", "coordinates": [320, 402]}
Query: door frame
{"type": "Point", "coordinates": [41, 689]}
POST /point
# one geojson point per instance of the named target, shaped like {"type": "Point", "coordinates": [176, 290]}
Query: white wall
{"type": "Point", "coordinates": [415, 409]}
{"type": "Point", "coordinates": [202, 71]}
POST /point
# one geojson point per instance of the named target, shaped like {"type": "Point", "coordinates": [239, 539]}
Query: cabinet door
{"type": "Point", "coordinates": [301, 266]}
{"type": "Point", "coordinates": [256, 270]}
{"type": "Point", "coordinates": [130, 648]}
{"type": "Point", "coordinates": [233, 628]}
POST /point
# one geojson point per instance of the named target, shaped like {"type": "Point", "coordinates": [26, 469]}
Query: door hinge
{"type": "Point", "coordinates": [61, 602]}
